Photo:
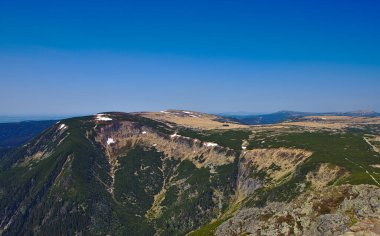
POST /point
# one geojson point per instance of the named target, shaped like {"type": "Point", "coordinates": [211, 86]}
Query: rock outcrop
{"type": "Point", "coordinates": [335, 210]}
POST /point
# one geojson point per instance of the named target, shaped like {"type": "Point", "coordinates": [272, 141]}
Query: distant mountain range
{"type": "Point", "coordinates": [282, 116]}
{"type": "Point", "coordinates": [20, 118]}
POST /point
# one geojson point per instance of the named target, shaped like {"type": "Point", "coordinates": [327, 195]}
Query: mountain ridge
{"type": "Point", "coordinates": [177, 172]}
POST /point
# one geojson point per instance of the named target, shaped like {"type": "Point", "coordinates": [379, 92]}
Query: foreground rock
{"type": "Point", "coordinates": [348, 210]}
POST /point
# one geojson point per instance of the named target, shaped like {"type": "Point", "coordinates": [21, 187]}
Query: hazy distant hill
{"type": "Point", "coordinates": [18, 133]}
{"type": "Point", "coordinates": [21, 118]}
{"type": "Point", "coordinates": [281, 116]}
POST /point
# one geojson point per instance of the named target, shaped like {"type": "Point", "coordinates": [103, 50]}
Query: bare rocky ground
{"type": "Point", "coordinates": [334, 210]}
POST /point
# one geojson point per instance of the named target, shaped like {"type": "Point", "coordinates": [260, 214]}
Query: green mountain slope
{"type": "Point", "coordinates": [125, 174]}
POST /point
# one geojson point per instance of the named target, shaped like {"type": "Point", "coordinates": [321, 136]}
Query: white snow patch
{"type": "Point", "coordinates": [110, 141]}
{"type": "Point", "coordinates": [212, 170]}
{"type": "Point", "coordinates": [175, 135]}
{"type": "Point", "coordinates": [104, 118]}
{"type": "Point", "coordinates": [209, 144]}
{"type": "Point", "coordinates": [101, 117]}
{"type": "Point", "coordinates": [243, 147]}
{"type": "Point", "coordinates": [154, 144]}
{"type": "Point", "coordinates": [144, 132]}
{"type": "Point", "coordinates": [62, 126]}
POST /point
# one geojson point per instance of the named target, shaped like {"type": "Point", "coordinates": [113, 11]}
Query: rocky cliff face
{"type": "Point", "coordinates": [265, 167]}
{"type": "Point", "coordinates": [126, 135]}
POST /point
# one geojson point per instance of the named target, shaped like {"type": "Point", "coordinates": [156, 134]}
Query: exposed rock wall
{"type": "Point", "coordinates": [128, 134]}
{"type": "Point", "coordinates": [325, 174]}
{"type": "Point", "coordinates": [276, 162]}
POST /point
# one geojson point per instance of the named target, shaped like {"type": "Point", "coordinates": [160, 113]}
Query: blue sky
{"type": "Point", "coordinates": [78, 57]}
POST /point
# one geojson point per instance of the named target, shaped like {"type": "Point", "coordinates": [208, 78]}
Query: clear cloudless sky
{"type": "Point", "coordinates": [86, 56]}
